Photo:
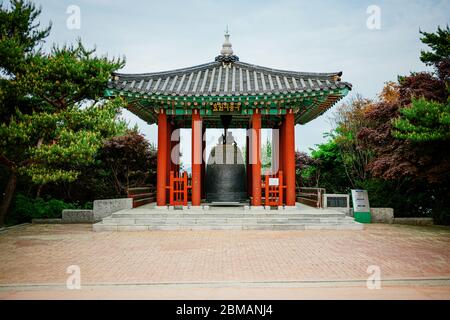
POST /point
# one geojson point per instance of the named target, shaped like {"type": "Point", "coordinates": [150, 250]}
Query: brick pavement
{"type": "Point", "coordinates": [40, 254]}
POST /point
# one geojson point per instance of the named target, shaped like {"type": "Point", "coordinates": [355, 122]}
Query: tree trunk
{"type": "Point", "coordinates": [39, 191]}
{"type": "Point", "coordinates": [7, 196]}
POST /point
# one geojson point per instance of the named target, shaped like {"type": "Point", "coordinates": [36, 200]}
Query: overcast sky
{"type": "Point", "coordinates": [316, 36]}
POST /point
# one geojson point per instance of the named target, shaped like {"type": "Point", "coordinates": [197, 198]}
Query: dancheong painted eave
{"type": "Point", "coordinates": [228, 81]}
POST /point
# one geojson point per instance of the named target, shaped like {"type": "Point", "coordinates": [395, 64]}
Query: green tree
{"type": "Point", "coordinates": [307, 171]}
{"type": "Point", "coordinates": [328, 168]}
{"type": "Point", "coordinates": [349, 119]}
{"type": "Point", "coordinates": [131, 159]}
{"type": "Point", "coordinates": [423, 121]}
{"type": "Point", "coordinates": [20, 37]}
{"type": "Point", "coordinates": [56, 117]}
{"type": "Point", "coordinates": [409, 135]}
{"type": "Point", "coordinates": [439, 55]}
{"type": "Point", "coordinates": [20, 34]}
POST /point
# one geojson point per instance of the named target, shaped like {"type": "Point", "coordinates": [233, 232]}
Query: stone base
{"type": "Point", "coordinates": [46, 221]}
{"type": "Point", "coordinates": [161, 207]}
{"type": "Point", "coordinates": [382, 215]}
{"type": "Point", "coordinates": [106, 207]}
{"type": "Point", "coordinates": [414, 221]}
{"type": "Point", "coordinates": [226, 218]}
{"type": "Point", "coordinates": [77, 216]}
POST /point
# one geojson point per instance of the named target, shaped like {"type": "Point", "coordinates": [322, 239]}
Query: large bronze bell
{"type": "Point", "coordinates": [225, 178]}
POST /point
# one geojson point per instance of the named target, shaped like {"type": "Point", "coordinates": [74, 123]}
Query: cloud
{"type": "Point", "coordinates": [317, 36]}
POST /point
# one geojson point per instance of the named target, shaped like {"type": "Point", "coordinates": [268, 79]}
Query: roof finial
{"type": "Point", "coordinates": [226, 46]}
{"type": "Point", "coordinates": [226, 54]}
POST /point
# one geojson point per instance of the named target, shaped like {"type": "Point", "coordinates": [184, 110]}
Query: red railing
{"type": "Point", "coordinates": [273, 189]}
{"type": "Point", "coordinates": [311, 196]}
{"type": "Point", "coordinates": [178, 189]}
{"type": "Point", "coordinates": [141, 195]}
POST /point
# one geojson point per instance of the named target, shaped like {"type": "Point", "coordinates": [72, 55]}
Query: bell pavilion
{"type": "Point", "coordinates": [227, 93]}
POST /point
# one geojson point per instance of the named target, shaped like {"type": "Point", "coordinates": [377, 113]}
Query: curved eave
{"type": "Point", "coordinates": [307, 106]}
{"type": "Point", "coordinates": [250, 86]}
{"type": "Point", "coordinates": [320, 108]}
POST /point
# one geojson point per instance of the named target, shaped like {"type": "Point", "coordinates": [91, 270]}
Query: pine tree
{"type": "Point", "coordinates": [424, 121]}
{"type": "Point", "coordinates": [439, 56]}
{"type": "Point", "coordinates": [53, 115]}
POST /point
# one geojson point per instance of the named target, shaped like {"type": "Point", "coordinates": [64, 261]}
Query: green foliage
{"type": "Point", "coordinates": [439, 42]}
{"type": "Point", "coordinates": [439, 56]}
{"type": "Point", "coordinates": [53, 118]}
{"type": "Point", "coordinates": [408, 132]}
{"type": "Point", "coordinates": [329, 168]}
{"type": "Point", "coordinates": [423, 121]}
{"type": "Point", "coordinates": [19, 33]}
{"type": "Point", "coordinates": [308, 174]}
{"type": "Point", "coordinates": [349, 119]}
{"type": "Point", "coordinates": [407, 199]}
{"type": "Point", "coordinates": [340, 163]}
{"type": "Point", "coordinates": [126, 160]}
{"type": "Point", "coordinates": [56, 143]}
{"type": "Point", "coordinates": [129, 161]}
{"type": "Point", "coordinates": [328, 153]}
{"type": "Point", "coordinates": [26, 208]}
{"type": "Point", "coordinates": [66, 76]}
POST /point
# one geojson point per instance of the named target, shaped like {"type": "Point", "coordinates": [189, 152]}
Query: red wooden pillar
{"type": "Point", "coordinates": [196, 157]}
{"type": "Point", "coordinates": [289, 158]}
{"type": "Point", "coordinates": [280, 188]}
{"type": "Point", "coordinates": [204, 159]}
{"type": "Point", "coordinates": [247, 163]}
{"type": "Point", "coordinates": [282, 149]}
{"type": "Point", "coordinates": [256, 158]}
{"type": "Point", "coordinates": [168, 153]}
{"type": "Point", "coordinates": [161, 168]}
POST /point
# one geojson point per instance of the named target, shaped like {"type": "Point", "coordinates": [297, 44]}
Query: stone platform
{"type": "Point", "coordinates": [300, 217]}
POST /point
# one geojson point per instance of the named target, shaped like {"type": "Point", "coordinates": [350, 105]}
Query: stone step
{"type": "Point", "coordinates": [226, 215]}
{"type": "Point", "coordinates": [226, 219]}
{"type": "Point", "coordinates": [279, 227]}
{"type": "Point", "coordinates": [206, 220]}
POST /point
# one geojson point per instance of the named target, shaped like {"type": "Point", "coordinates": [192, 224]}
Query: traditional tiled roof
{"type": "Point", "coordinates": [222, 79]}
{"type": "Point", "coordinates": [229, 85]}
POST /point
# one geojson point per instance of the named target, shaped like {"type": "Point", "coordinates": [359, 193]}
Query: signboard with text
{"type": "Point", "coordinates": [273, 182]}
{"type": "Point", "coordinates": [361, 207]}
{"type": "Point", "coordinates": [224, 107]}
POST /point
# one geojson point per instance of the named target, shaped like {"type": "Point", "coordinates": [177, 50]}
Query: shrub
{"type": "Point", "coordinates": [26, 208]}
